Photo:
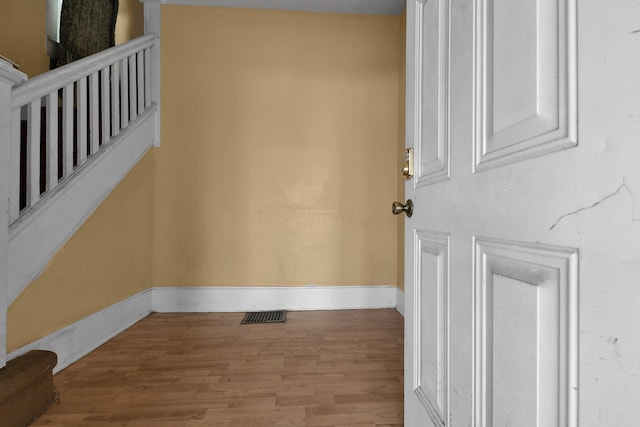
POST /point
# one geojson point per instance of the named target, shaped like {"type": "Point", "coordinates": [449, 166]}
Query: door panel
{"type": "Point", "coordinates": [525, 119]}
{"type": "Point", "coordinates": [525, 334]}
{"type": "Point", "coordinates": [431, 358]}
{"type": "Point", "coordinates": [511, 342]}
{"type": "Point", "coordinates": [512, 32]}
{"type": "Point", "coordinates": [432, 100]}
{"type": "Point", "coordinates": [525, 70]}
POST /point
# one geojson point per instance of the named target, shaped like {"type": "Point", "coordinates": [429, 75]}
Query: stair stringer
{"type": "Point", "coordinates": [36, 237]}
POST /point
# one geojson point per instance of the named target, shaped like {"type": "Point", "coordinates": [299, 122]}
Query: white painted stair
{"type": "Point", "coordinates": [67, 138]}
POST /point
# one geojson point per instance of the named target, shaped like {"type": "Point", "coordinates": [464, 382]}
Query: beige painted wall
{"type": "Point", "coordinates": [106, 261]}
{"type": "Point", "coordinates": [23, 34]}
{"type": "Point", "coordinates": [279, 154]}
{"type": "Point", "coordinates": [130, 22]}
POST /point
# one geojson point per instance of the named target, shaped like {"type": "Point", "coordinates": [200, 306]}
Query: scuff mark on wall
{"type": "Point", "coordinates": [616, 347]}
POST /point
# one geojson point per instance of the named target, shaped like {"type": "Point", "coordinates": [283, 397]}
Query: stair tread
{"type": "Point", "coordinates": [23, 371]}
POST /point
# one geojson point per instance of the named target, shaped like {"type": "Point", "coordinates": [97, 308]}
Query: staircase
{"type": "Point", "coordinates": [67, 138]}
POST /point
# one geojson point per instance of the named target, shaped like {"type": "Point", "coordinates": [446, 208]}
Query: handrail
{"type": "Point", "coordinates": [61, 119]}
{"type": "Point", "coordinates": [39, 86]}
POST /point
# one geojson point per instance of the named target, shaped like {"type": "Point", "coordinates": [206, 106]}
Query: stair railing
{"type": "Point", "coordinates": [62, 119]}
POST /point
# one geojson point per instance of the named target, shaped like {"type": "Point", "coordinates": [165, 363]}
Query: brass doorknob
{"type": "Point", "coordinates": [397, 208]}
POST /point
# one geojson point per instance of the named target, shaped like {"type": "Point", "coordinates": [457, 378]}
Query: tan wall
{"type": "Point", "coordinates": [23, 34]}
{"type": "Point", "coordinates": [401, 146]}
{"type": "Point", "coordinates": [130, 22]}
{"type": "Point", "coordinates": [279, 157]}
{"type": "Point", "coordinates": [106, 261]}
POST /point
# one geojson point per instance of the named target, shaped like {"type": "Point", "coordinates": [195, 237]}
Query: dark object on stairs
{"type": "Point", "coordinates": [86, 27]}
{"type": "Point", "coordinates": [279, 316]}
{"type": "Point", "coordinates": [26, 388]}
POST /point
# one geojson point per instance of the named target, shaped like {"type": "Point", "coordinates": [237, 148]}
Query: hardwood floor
{"type": "Point", "coordinates": [322, 368]}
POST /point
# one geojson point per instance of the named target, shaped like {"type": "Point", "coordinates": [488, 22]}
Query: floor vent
{"type": "Point", "coordinates": [265, 317]}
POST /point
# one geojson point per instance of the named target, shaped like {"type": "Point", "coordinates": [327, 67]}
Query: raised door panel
{"type": "Point", "coordinates": [525, 67]}
{"type": "Point", "coordinates": [513, 346]}
{"type": "Point", "coordinates": [431, 328]}
{"type": "Point", "coordinates": [525, 335]}
{"type": "Point", "coordinates": [432, 96]}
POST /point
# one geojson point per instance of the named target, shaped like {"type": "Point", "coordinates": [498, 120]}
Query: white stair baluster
{"type": "Point", "coordinates": [106, 107]}
{"type": "Point", "coordinates": [33, 153]}
{"type": "Point", "coordinates": [140, 84]}
{"type": "Point", "coordinates": [82, 120]}
{"type": "Point", "coordinates": [133, 91]}
{"type": "Point", "coordinates": [14, 180]}
{"type": "Point", "coordinates": [147, 78]}
{"type": "Point", "coordinates": [124, 94]}
{"type": "Point", "coordinates": [115, 99]}
{"type": "Point", "coordinates": [94, 112]}
{"type": "Point", "coordinates": [52, 141]}
{"type": "Point", "coordinates": [67, 129]}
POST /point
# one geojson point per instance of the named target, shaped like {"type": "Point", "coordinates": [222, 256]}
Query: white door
{"type": "Point", "coordinates": [523, 252]}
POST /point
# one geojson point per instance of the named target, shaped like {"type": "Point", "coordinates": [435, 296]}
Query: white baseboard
{"type": "Point", "coordinates": [234, 299]}
{"type": "Point", "coordinates": [400, 301]}
{"type": "Point", "coordinates": [78, 339]}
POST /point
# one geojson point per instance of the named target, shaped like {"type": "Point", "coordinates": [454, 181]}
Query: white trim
{"type": "Point", "coordinates": [80, 338]}
{"type": "Point", "coordinates": [38, 235]}
{"type": "Point", "coordinates": [400, 301]}
{"type": "Point", "coordinates": [366, 7]}
{"type": "Point", "coordinates": [44, 84]}
{"type": "Point", "coordinates": [152, 27]}
{"type": "Point", "coordinates": [237, 299]}
{"type": "Point", "coordinates": [8, 78]}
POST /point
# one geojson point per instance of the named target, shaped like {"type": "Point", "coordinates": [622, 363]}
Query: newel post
{"type": "Point", "coordinates": [9, 77]}
{"type": "Point", "coordinates": [152, 26]}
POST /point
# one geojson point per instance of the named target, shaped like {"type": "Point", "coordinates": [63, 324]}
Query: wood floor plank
{"type": "Point", "coordinates": [320, 368]}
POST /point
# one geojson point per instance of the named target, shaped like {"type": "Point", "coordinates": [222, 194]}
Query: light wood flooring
{"type": "Point", "coordinates": [320, 368]}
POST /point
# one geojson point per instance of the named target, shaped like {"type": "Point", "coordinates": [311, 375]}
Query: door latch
{"type": "Point", "coordinates": [407, 164]}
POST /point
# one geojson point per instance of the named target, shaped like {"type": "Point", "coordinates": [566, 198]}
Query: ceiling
{"type": "Point", "coordinates": [369, 7]}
